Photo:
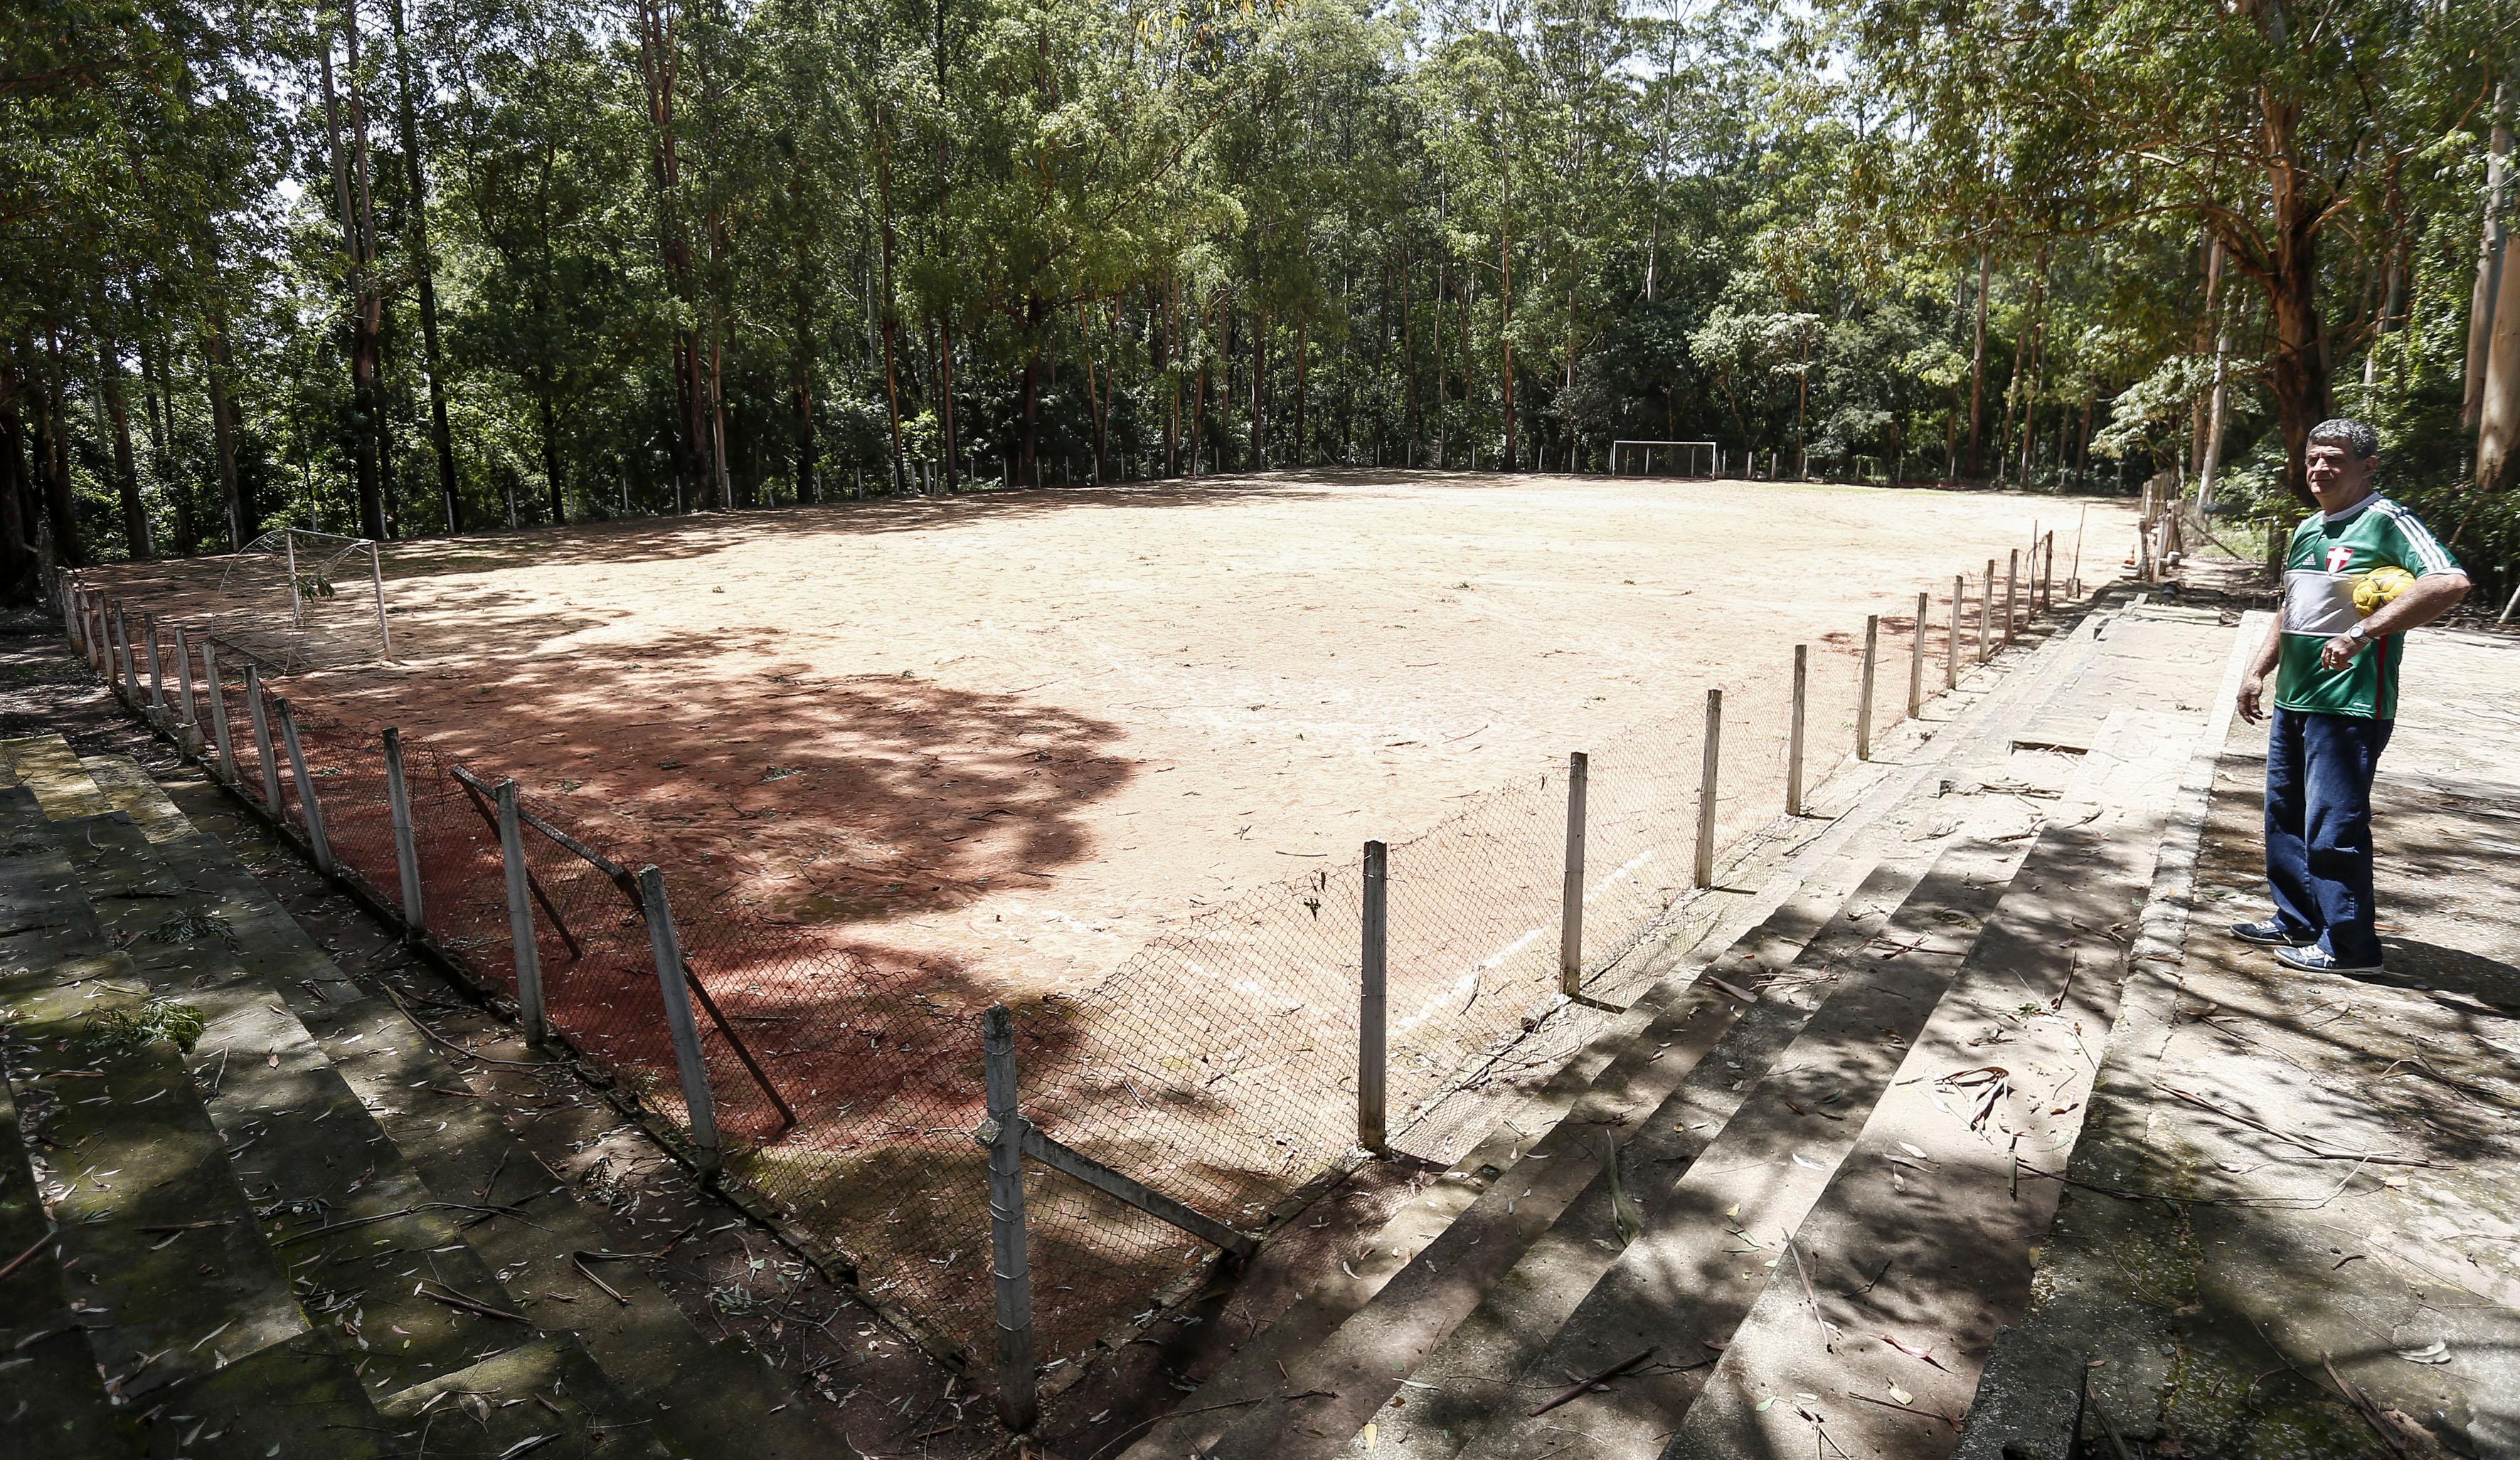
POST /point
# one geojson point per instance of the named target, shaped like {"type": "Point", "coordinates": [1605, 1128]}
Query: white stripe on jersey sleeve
{"type": "Point", "coordinates": [2428, 549]}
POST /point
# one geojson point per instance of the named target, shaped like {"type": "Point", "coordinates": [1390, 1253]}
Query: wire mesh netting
{"type": "Point", "coordinates": [1218, 1065]}
{"type": "Point", "coordinates": [299, 599]}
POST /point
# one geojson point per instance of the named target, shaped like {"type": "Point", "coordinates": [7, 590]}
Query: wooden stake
{"type": "Point", "coordinates": [1570, 902]}
{"type": "Point", "coordinates": [697, 1103]}
{"type": "Point", "coordinates": [2011, 587]}
{"type": "Point", "coordinates": [520, 921]}
{"type": "Point", "coordinates": [1952, 645]}
{"type": "Point", "coordinates": [186, 719]}
{"type": "Point", "coordinates": [310, 806]}
{"type": "Point", "coordinates": [1917, 658]}
{"type": "Point", "coordinates": [1794, 736]}
{"type": "Point", "coordinates": [262, 739]}
{"type": "Point", "coordinates": [157, 677]}
{"type": "Point", "coordinates": [1710, 757]}
{"type": "Point", "coordinates": [1864, 691]}
{"type": "Point", "coordinates": [406, 846]}
{"type": "Point", "coordinates": [1371, 1001]}
{"type": "Point", "coordinates": [1986, 617]}
{"type": "Point", "coordinates": [1018, 1400]}
{"type": "Point", "coordinates": [218, 711]}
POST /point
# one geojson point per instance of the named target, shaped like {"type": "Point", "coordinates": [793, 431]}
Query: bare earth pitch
{"type": "Point", "coordinates": [1012, 736]}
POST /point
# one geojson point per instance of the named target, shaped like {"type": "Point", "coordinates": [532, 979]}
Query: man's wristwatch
{"type": "Point", "coordinates": [2357, 634]}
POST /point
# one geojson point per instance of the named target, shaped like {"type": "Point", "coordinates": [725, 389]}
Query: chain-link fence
{"type": "Point", "coordinates": [1218, 1065]}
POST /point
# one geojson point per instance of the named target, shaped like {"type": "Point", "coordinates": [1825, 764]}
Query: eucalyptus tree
{"type": "Point", "coordinates": [2290, 133]}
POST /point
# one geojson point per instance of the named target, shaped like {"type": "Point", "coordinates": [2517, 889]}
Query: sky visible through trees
{"type": "Point", "coordinates": [401, 267]}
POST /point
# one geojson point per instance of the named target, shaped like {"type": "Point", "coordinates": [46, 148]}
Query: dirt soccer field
{"type": "Point", "coordinates": [1018, 735]}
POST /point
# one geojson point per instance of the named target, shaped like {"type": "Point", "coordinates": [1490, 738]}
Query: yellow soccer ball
{"type": "Point", "coordinates": [2379, 586]}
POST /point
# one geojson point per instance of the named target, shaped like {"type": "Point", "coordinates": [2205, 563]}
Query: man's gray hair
{"type": "Point", "coordinates": [2352, 434]}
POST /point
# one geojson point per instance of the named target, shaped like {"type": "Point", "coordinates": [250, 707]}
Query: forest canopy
{"type": "Point", "coordinates": [406, 267]}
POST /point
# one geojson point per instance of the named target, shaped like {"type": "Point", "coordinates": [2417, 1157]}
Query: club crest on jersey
{"type": "Point", "coordinates": [2338, 556]}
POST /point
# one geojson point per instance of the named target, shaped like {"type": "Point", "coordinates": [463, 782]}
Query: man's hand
{"type": "Point", "coordinates": [2339, 652]}
{"type": "Point", "coordinates": [2252, 697]}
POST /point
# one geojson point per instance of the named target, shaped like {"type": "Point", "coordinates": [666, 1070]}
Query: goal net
{"type": "Point", "coordinates": [1672, 458]}
{"type": "Point", "coordinates": [297, 598]}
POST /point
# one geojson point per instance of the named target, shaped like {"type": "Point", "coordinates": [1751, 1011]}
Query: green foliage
{"type": "Point", "coordinates": [122, 1031]}
{"type": "Point", "coordinates": [689, 254]}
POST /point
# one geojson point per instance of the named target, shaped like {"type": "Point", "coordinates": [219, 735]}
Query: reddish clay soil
{"type": "Point", "coordinates": [1016, 735]}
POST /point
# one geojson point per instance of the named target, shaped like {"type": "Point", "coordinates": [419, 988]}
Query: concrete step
{"type": "Point", "coordinates": [1520, 1192]}
{"type": "Point", "coordinates": [1746, 1159]}
{"type": "Point", "coordinates": [1905, 1254]}
{"type": "Point", "coordinates": [1470, 1290]}
{"type": "Point", "coordinates": [52, 1398]}
{"type": "Point", "coordinates": [353, 1072]}
{"type": "Point", "coordinates": [169, 1272]}
{"type": "Point", "coordinates": [128, 789]}
{"type": "Point", "coordinates": [543, 1397]}
{"type": "Point", "coordinates": [701, 1393]}
{"type": "Point", "coordinates": [388, 1213]}
{"type": "Point", "coordinates": [370, 1251]}
{"type": "Point", "coordinates": [299, 1399]}
{"type": "Point", "coordinates": [46, 766]}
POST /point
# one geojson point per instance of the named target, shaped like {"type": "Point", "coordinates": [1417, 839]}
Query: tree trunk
{"type": "Point", "coordinates": [1166, 356]}
{"type": "Point", "coordinates": [1977, 374]}
{"type": "Point", "coordinates": [127, 467]}
{"type": "Point", "coordinates": [945, 402]}
{"type": "Point", "coordinates": [51, 458]}
{"type": "Point", "coordinates": [1029, 474]}
{"type": "Point", "coordinates": [424, 265]}
{"type": "Point", "coordinates": [549, 421]}
{"type": "Point", "coordinates": [160, 415]}
{"type": "Point", "coordinates": [351, 190]}
{"type": "Point", "coordinates": [1412, 424]}
{"type": "Point", "coordinates": [16, 496]}
{"type": "Point", "coordinates": [1300, 363]}
{"type": "Point", "coordinates": [806, 465]}
{"type": "Point", "coordinates": [659, 74]}
{"type": "Point", "coordinates": [2497, 436]}
{"type": "Point", "coordinates": [214, 375]}
{"type": "Point", "coordinates": [1259, 391]}
{"type": "Point", "coordinates": [2484, 302]}
{"type": "Point", "coordinates": [2205, 326]}
{"type": "Point", "coordinates": [891, 320]}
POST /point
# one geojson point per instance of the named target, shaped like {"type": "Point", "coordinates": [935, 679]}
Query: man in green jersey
{"type": "Point", "coordinates": [2336, 698]}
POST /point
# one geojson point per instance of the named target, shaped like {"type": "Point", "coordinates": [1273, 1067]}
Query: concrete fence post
{"type": "Point", "coordinates": [1986, 615]}
{"type": "Point", "coordinates": [1371, 1001]}
{"type": "Point", "coordinates": [262, 739]}
{"type": "Point", "coordinates": [157, 674]}
{"type": "Point", "coordinates": [376, 579]}
{"type": "Point", "coordinates": [1011, 1264]}
{"type": "Point", "coordinates": [131, 671]}
{"type": "Point", "coordinates": [1916, 657]}
{"type": "Point", "coordinates": [406, 845]}
{"type": "Point", "coordinates": [2011, 593]}
{"type": "Point", "coordinates": [1863, 689]}
{"type": "Point", "coordinates": [1952, 645]}
{"type": "Point", "coordinates": [672, 971]}
{"type": "Point", "coordinates": [1710, 756]}
{"type": "Point", "coordinates": [520, 920]}
{"type": "Point", "coordinates": [218, 711]}
{"type": "Point", "coordinates": [310, 806]}
{"type": "Point", "coordinates": [1794, 731]}
{"type": "Point", "coordinates": [186, 719]}
{"type": "Point", "coordinates": [1570, 906]}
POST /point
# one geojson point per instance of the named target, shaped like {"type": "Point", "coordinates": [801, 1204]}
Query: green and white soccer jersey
{"type": "Point", "coordinates": [2329, 555]}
